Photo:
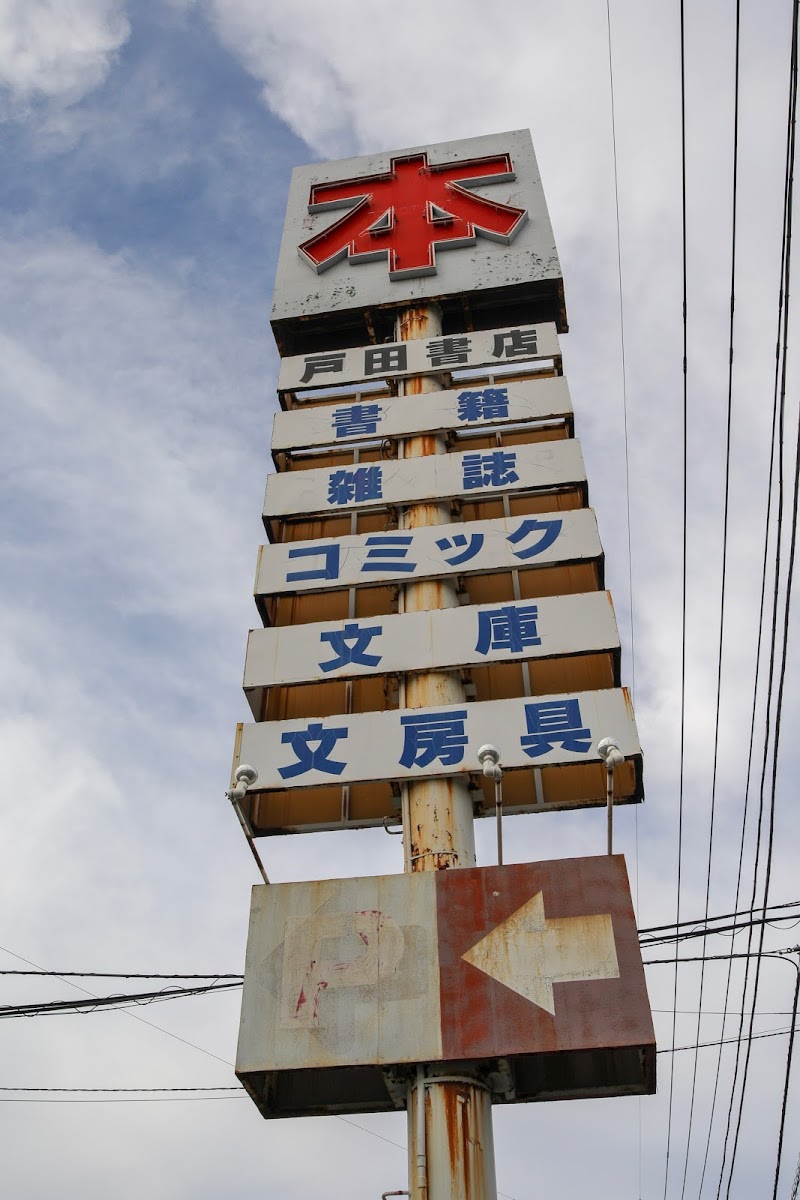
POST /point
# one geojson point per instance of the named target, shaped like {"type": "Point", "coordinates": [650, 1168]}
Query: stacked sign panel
{"type": "Point", "coordinates": [522, 547]}
{"type": "Point", "coordinates": [534, 639]}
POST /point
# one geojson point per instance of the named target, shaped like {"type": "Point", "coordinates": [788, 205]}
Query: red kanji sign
{"type": "Point", "coordinates": [409, 212]}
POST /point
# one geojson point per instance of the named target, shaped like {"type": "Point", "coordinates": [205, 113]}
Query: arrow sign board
{"type": "Point", "coordinates": [360, 419]}
{"type": "Point", "coordinates": [529, 953]}
{"type": "Point", "coordinates": [553, 626]}
{"type": "Point", "coordinates": [475, 475]}
{"type": "Point", "coordinates": [489, 348]}
{"type": "Point", "coordinates": [532, 970]}
{"type": "Point", "coordinates": [399, 556]}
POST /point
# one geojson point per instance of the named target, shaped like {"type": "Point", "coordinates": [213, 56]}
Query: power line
{"type": "Point", "coordinates": [785, 1098]}
{"type": "Point", "coordinates": [119, 1100]}
{"type": "Point", "coordinates": [622, 350]}
{"type": "Point", "coordinates": [119, 974]}
{"type": "Point", "coordinates": [721, 917]}
{"type": "Point", "coordinates": [726, 509]}
{"type": "Point", "coordinates": [627, 484]}
{"type": "Point", "coordinates": [184, 1041]}
{"type": "Point", "coordinates": [135, 1016]}
{"type": "Point", "coordinates": [86, 1090]}
{"type": "Point", "coordinates": [684, 574]}
{"type": "Point", "coordinates": [770, 1033]}
{"type": "Point", "coordinates": [796, 1183]}
{"type": "Point", "coordinates": [782, 954]}
{"type": "Point", "coordinates": [689, 929]}
{"type": "Point", "coordinates": [782, 355]}
{"type": "Point", "coordinates": [717, 1012]}
{"type": "Point", "coordinates": [704, 932]}
{"type": "Point", "coordinates": [239, 1089]}
{"type": "Point", "coordinates": [106, 1002]}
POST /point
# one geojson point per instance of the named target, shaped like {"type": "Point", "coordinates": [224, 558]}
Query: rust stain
{"type": "Point", "coordinates": [462, 1110]}
{"type": "Point", "coordinates": [414, 322]}
{"type": "Point", "coordinates": [450, 1105]}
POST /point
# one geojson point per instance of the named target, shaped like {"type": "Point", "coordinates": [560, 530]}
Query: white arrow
{"type": "Point", "coordinates": [529, 953]}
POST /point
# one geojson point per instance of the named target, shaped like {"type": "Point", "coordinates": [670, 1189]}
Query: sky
{"type": "Point", "coordinates": [147, 147]}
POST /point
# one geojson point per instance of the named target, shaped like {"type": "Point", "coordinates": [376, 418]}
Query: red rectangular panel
{"type": "Point", "coordinates": [561, 930]}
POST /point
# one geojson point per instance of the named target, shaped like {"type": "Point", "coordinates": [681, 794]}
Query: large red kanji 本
{"type": "Point", "coordinates": [408, 212]}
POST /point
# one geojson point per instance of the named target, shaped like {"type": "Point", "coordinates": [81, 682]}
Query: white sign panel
{"type": "Point", "coordinates": [357, 950]}
{"type": "Point", "coordinates": [370, 419]}
{"type": "Point", "coordinates": [421, 743]}
{"type": "Point", "coordinates": [456, 217]}
{"type": "Point", "coordinates": [474, 475]}
{"type": "Point", "coordinates": [397, 556]}
{"type": "Point", "coordinates": [422, 641]}
{"type": "Point", "coordinates": [421, 356]}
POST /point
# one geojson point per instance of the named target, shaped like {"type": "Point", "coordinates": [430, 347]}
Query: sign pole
{"type": "Point", "coordinates": [451, 1145]}
{"type": "Point", "coordinates": [463, 985]}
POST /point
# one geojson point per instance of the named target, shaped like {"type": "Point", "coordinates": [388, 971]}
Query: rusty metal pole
{"type": "Point", "coordinates": [451, 1150]}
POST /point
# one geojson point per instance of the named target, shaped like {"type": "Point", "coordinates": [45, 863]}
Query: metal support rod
{"type": "Point", "coordinates": [244, 776]}
{"type": "Point", "coordinates": [489, 758]}
{"type": "Point", "coordinates": [498, 808]}
{"type": "Point", "coordinates": [249, 836]}
{"type": "Point", "coordinates": [420, 1138]}
{"type": "Point", "coordinates": [610, 809]}
{"type": "Point", "coordinates": [612, 756]}
{"type": "Point", "coordinates": [451, 1149]}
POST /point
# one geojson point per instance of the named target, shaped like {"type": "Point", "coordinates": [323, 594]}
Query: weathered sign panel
{"type": "Point", "coordinates": [423, 356]}
{"type": "Point", "coordinates": [429, 641]}
{"type": "Point", "coordinates": [474, 475]}
{"type": "Point", "coordinates": [532, 970]}
{"type": "Point", "coordinates": [406, 744]}
{"type": "Point", "coordinates": [373, 419]}
{"type": "Point", "coordinates": [453, 219]}
{"type": "Point", "coordinates": [469, 548]}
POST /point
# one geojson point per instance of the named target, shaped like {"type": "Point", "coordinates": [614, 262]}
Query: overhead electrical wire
{"type": "Point", "coordinates": [97, 1003]}
{"type": "Point", "coordinates": [722, 597]}
{"type": "Point", "coordinates": [684, 574]}
{"type": "Point", "coordinates": [120, 975]}
{"type": "Point", "coordinates": [627, 483]}
{"type": "Point", "coordinates": [185, 1042]}
{"type": "Point", "coordinates": [624, 371]}
{"type": "Point", "coordinates": [796, 1183]}
{"type": "Point", "coordinates": [134, 1015]}
{"type": "Point", "coordinates": [227, 1087]}
{"type": "Point", "coordinates": [767, 1033]}
{"type": "Point", "coordinates": [696, 958]}
{"type": "Point", "coordinates": [781, 357]}
{"type": "Point", "coordinates": [648, 937]}
{"type": "Point", "coordinates": [705, 931]}
{"type": "Point", "coordinates": [113, 1100]}
{"type": "Point", "coordinates": [697, 921]}
{"type": "Point", "coordinates": [785, 1097]}
{"type": "Point", "coordinates": [745, 807]}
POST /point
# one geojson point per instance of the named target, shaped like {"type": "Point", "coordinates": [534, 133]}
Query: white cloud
{"type": "Point", "coordinates": [58, 49]}
{"type": "Point", "coordinates": [120, 419]}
